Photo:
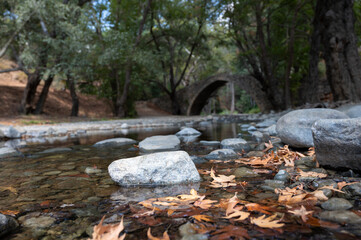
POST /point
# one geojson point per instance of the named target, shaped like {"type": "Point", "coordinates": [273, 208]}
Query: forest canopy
{"type": "Point", "coordinates": [296, 52]}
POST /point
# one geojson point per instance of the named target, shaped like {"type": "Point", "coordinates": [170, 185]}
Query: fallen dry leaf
{"type": "Point", "coordinates": [203, 218]}
{"type": "Point", "coordinates": [302, 212]}
{"type": "Point", "coordinates": [150, 236]}
{"type": "Point", "coordinates": [204, 204]}
{"type": "Point", "coordinates": [268, 146]}
{"type": "Point", "coordinates": [267, 222]}
{"type": "Point", "coordinates": [240, 214]}
{"type": "Point", "coordinates": [11, 189]}
{"type": "Point", "coordinates": [258, 208]}
{"type": "Point", "coordinates": [310, 174]}
{"type": "Point", "coordinates": [222, 181]}
{"type": "Point", "coordinates": [108, 232]}
{"type": "Point", "coordinates": [341, 185]}
{"type": "Point", "coordinates": [192, 197]}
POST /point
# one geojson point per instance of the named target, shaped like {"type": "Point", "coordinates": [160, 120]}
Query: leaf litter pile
{"type": "Point", "coordinates": [228, 207]}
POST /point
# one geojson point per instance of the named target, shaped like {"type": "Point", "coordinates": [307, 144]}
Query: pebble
{"type": "Point", "coordinates": [282, 175]}
{"type": "Point", "coordinates": [39, 222]}
{"type": "Point", "coordinates": [51, 173]}
{"type": "Point", "coordinates": [92, 170]}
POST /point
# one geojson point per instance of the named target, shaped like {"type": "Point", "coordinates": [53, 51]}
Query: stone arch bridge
{"type": "Point", "coordinates": [194, 97]}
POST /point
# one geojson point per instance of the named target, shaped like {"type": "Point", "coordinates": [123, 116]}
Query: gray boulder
{"type": "Point", "coordinates": [159, 144]}
{"type": "Point", "coordinates": [222, 154]}
{"type": "Point", "coordinates": [338, 142]}
{"type": "Point", "coordinates": [7, 224]}
{"type": "Point", "coordinates": [237, 144]}
{"type": "Point", "coordinates": [294, 128]}
{"type": "Point", "coordinates": [8, 152]}
{"type": "Point", "coordinates": [155, 169]}
{"type": "Point", "coordinates": [354, 111]}
{"type": "Point", "coordinates": [188, 132]}
{"type": "Point", "coordinates": [115, 142]}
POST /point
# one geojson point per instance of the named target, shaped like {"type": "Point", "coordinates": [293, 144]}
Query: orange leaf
{"type": "Point", "coordinates": [267, 222]}
{"type": "Point", "coordinates": [258, 208]}
{"type": "Point", "coordinates": [10, 212]}
{"type": "Point", "coordinates": [204, 204]}
{"type": "Point", "coordinates": [203, 218]}
{"type": "Point", "coordinates": [108, 232]}
{"type": "Point", "coordinates": [150, 236]}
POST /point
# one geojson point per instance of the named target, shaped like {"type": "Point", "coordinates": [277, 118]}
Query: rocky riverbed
{"type": "Point", "coordinates": [60, 191]}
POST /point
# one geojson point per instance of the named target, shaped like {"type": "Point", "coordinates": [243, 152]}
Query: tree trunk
{"type": "Point", "coordinates": [74, 97]}
{"type": "Point", "coordinates": [44, 94]}
{"type": "Point", "coordinates": [122, 99]}
{"type": "Point", "coordinates": [29, 93]}
{"type": "Point", "coordinates": [232, 97]}
{"type": "Point", "coordinates": [176, 109]}
{"type": "Point", "coordinates": [309, 91]}
{"type": "Point", "coordinates": [340, 49]}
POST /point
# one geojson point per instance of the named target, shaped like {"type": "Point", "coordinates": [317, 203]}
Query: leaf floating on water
{"type": "Point", "coordinates": [240, 214]}
{"type": "Point", "coordinates": [267, 222]}
{"type": "Point", "coordinates": [151, 237]}
{"type": "Point", "coordinates": [302, 212]}
{"type": "Point", "coordinates": [310, 174]}
{"type": "Point", "coordinates": [204, 204]}
{"type": "Point", "coordinates": [222, 181]}
{"type": "Point", "coordinates": [193, 196]}
{"type": "Point", "coordinates": [268, 146]}
{"type": "Point", "coordinates": [108, 232]}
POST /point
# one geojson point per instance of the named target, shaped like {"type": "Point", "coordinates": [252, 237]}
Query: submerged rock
{"type": "Point", "coordinates": [159, 144]}
{"type": "Point", "coordinates": [336, 204]}
{"type": "Point", "coordinates": [294, 128]}
{"type": "Point", "coordinates": [244, 172]}
{"type": "Point", "coordinates": [56, 150]}
{"type": "Point", "coordinates": [155, 169]}
{"type": "Point", "coordinates": [115, 142]}
{"type": "Point", "coordinates": [222, 154]}
{"type": "Point", "coordinates": [236, 144]}
{"type": "Point", "coordinates": [338, 142]}
{"type": "Point", "coordinates": [7, 224]}
{"type": "Point", "coordinates": [340, 217]}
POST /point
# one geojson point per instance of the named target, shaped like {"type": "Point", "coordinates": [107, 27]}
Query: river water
{"type": "Point", "coordinates": [55, 197]}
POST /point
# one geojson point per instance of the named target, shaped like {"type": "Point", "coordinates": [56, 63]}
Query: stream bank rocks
{"type": "Point", "coordinates": [155, 169]}
{"type": "Point", "coordinates": [159, 144]}
{"type": "Point", "coordinates": [294, 128]}
{"type": "Point", "coordinates": [338, 142]}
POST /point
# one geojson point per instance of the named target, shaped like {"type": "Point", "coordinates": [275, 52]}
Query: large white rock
{"type": "Point", "coordinates": [115, 142]}
{"type": "Point", "coordinates": [155, 169]}
{"type": "Point", "coordinates": [294, 128]}
{"type": "Point", "coordinates": [159, 144]}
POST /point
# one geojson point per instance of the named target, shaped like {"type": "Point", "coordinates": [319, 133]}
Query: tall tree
{"type": "Point", "coordinates": [334, 36]}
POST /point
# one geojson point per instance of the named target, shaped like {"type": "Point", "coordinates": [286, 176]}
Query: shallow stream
{"type": "Point", "coordinates": [55, 197]}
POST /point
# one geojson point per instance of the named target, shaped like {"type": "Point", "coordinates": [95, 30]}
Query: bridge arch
{"type": "Point", "coordinates": [203, 90]}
